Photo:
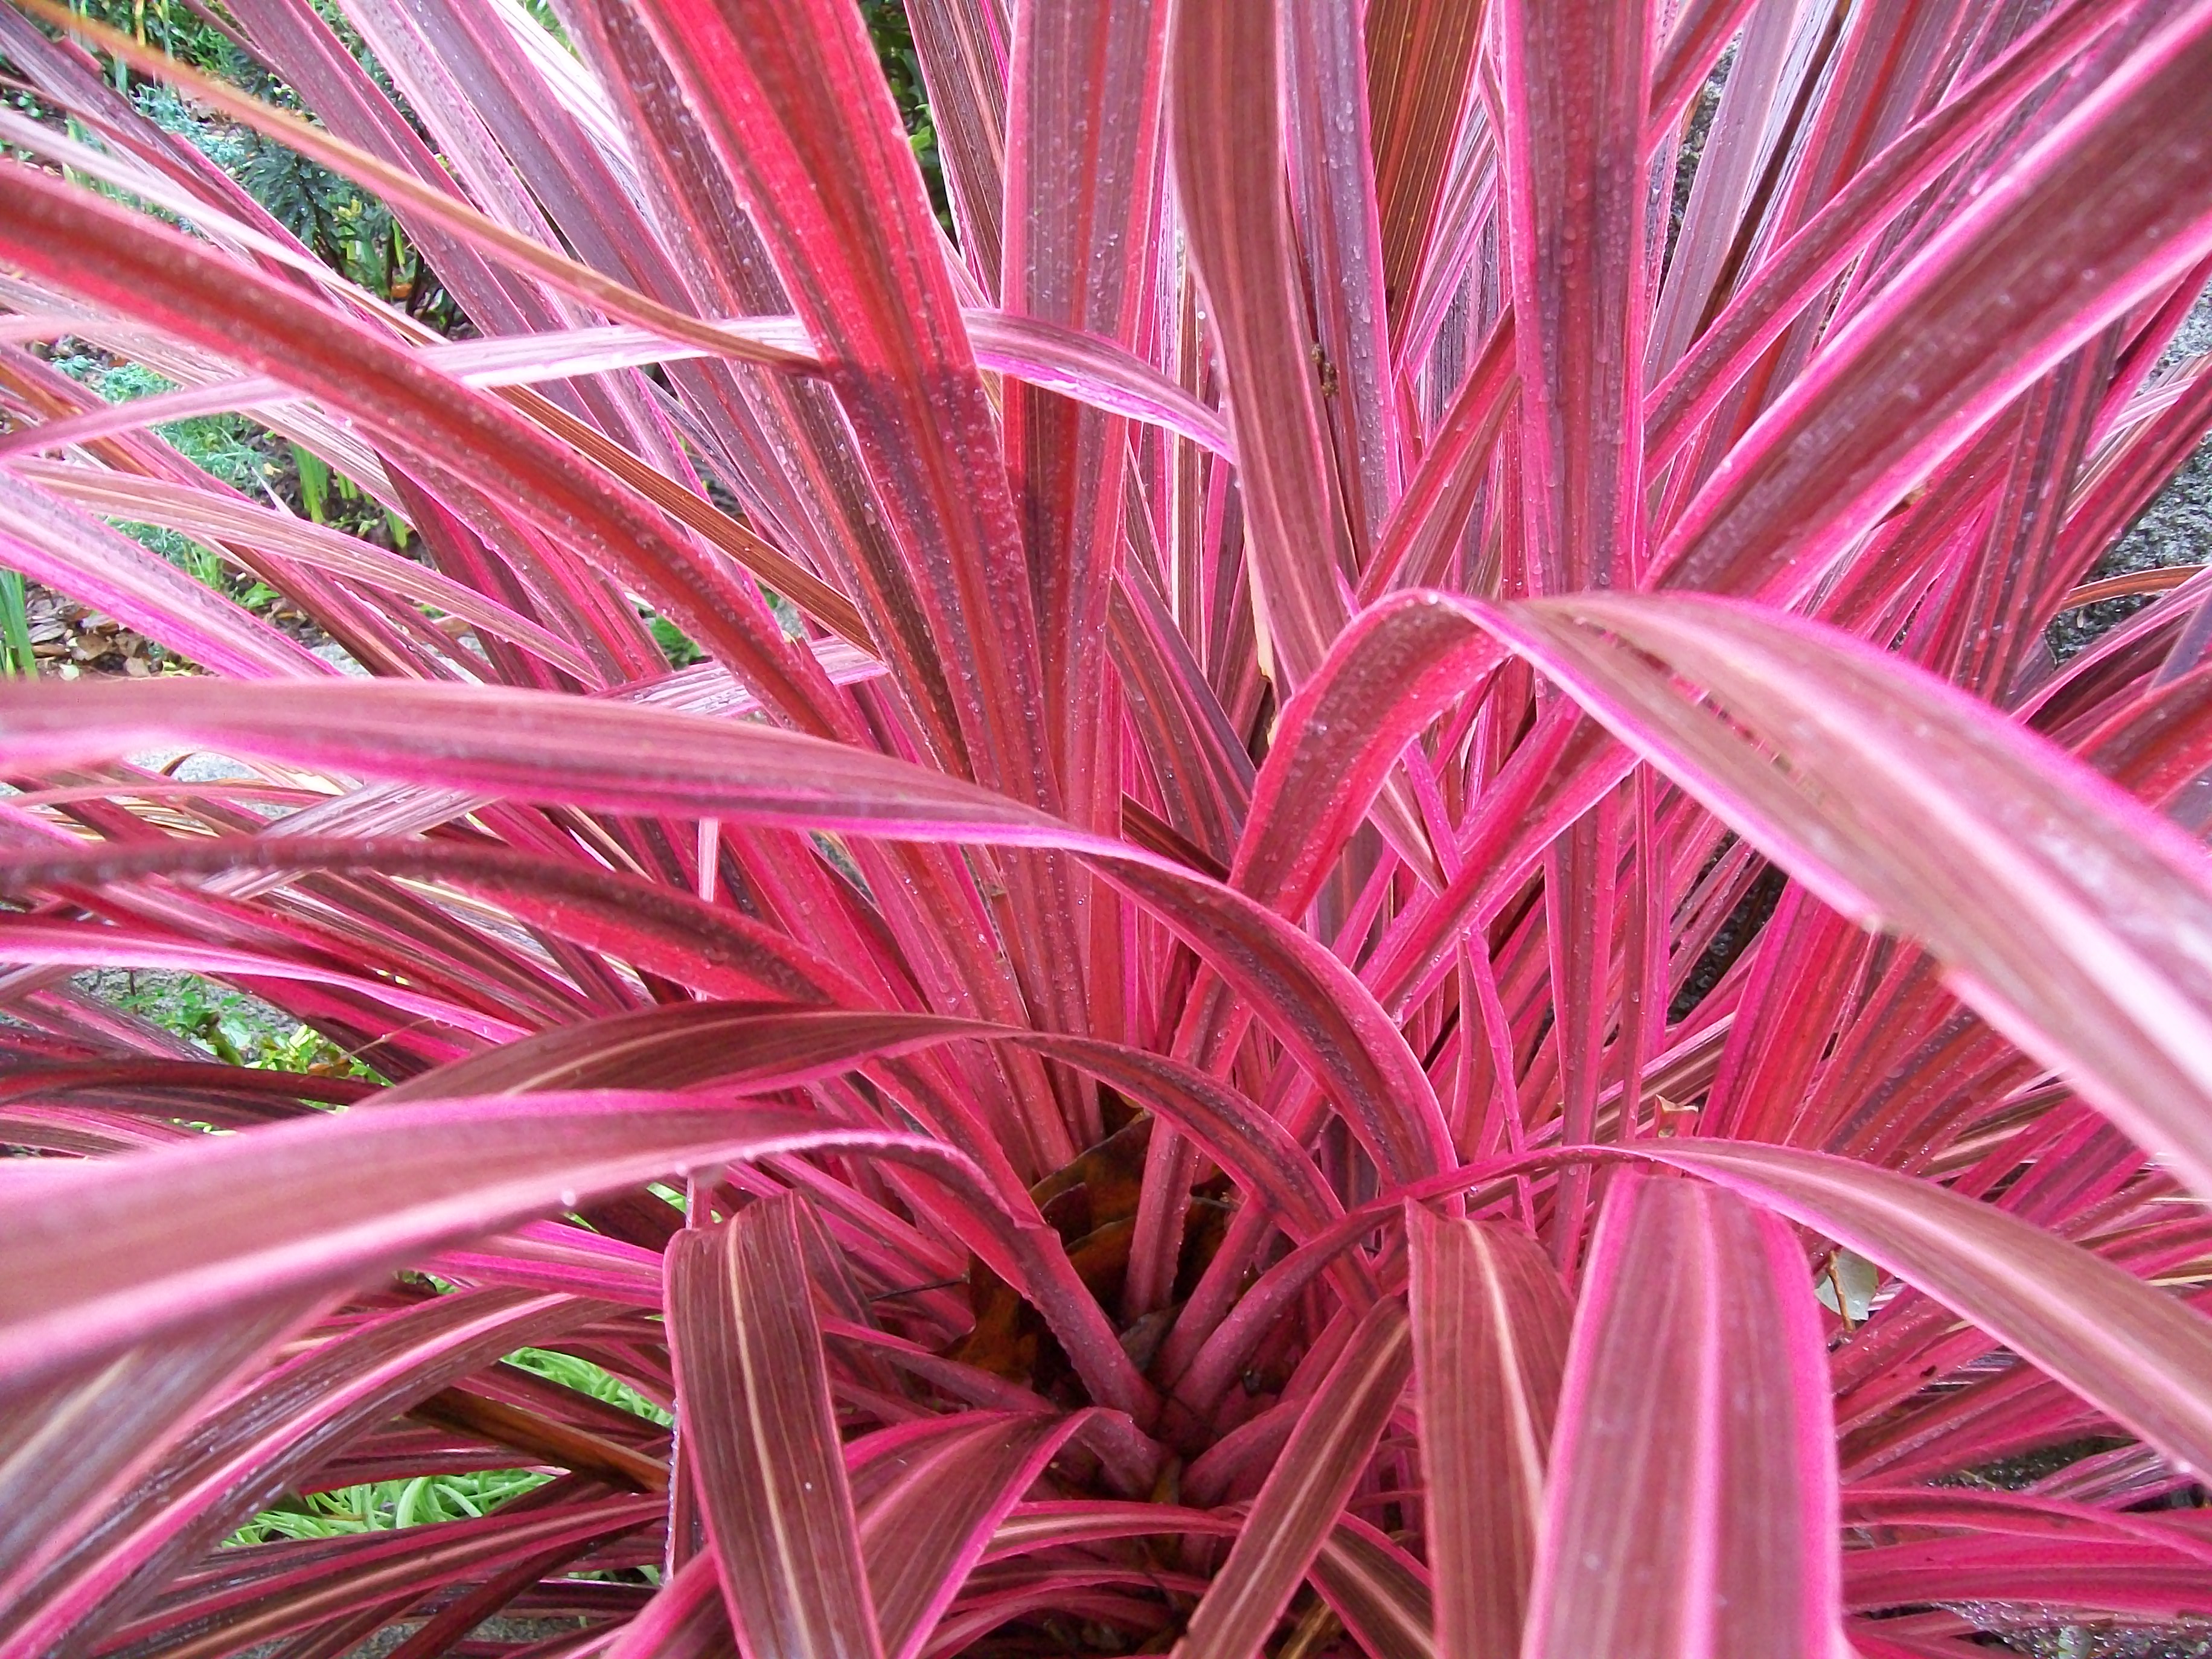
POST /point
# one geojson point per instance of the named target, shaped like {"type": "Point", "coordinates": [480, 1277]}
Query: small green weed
{"type": "Point", "coordinates": [236, 1029]}
{"type": "Point", "coordinates": [384, 1505]}
{"type": "Point", "coordinates": [584, 1377]}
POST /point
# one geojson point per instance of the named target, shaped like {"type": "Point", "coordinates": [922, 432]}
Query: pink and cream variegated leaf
{"type": "Point", "coordinates": [906, 783]}
{"type": "Point", "coordinates": [1224, 124]}
{"type": "Point", "coordinates": [43, 538]}
{"type": "Point", "coordinates": [1980, 313]}
{"type": "Point", "coordinates": [86, 1284]}
{"type": "Point", "coordinates": [1691, 1507]}
{"type": "Point", "coordinates": [2063, 911]}
{"type": "Point", "coordinates": [1572, 139]}
{"type": "Point", "coordinates": [436, 422]}
{"type": "Point", "coordinates": [751, 1374]}
{"type": "Point", "coordinates": [1490, 1320]}
{"type": "Point", "coordinates": [684, 1620]}
{"type": "Point", "coordinates": [73, 1448]}
{"type": "Point", "coordinates": [790, 99]}
{"type": "Point", "coordinates": [1331, 1444]}
{"type": "Point", "coordinates": [930, 1498]}
{"type": "Point", "coordinates": [280, 1429]}
{"type": "Point", "coordinates": [649, 760]}
{"type": "Point", "coordinates": [2136, 1351]}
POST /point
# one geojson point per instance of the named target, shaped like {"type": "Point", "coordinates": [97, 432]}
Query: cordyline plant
{"type": "Point", "coordinates": [1376, 927]}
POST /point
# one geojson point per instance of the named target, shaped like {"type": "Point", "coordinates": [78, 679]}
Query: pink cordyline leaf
{"type": "Point", "coordinates": [759, 1048]}
{"type": "Point", "coordinates": [2136, 1351]}
{"type": "Point", "coordinates": [713, 951]}
{"type": "Point", "coordinates": [1981, 312]}
{"type": "Point", "coordinates": [1334, 207]}
{"type": "Point", "coordinates": [1785, 283]}
{"type": "Point", "coordinates": [2016, 1513]}
{"type": "Point", "coordinates": [649, 761]}
{"type": "Point", "coordinates": [1490, 1339]}
{"type": "Point", "coordinates": [763, 1438]}
{"type": "Point", "coordinates": [615, 755]}
{"type": "Point", "coordinates": [282, 1427]}
{"type": "Point", "coordinates": [1420, 79]}
{"type": "Point", "coordinates": [1205, 769]}
{"type": "Point", "coordinates": [2085, 1580]}
{"type": "Point", "coordinates": [1045, 1525]}
{"type": "Point", "coordinates": [683, 1620]}
{"type": "Point", "coordinates": [1699, 34]}
{"type": "Point", "coordinates": [1380, 1592]}
{"type": "Point", "coordinates": [1335, 1435]}
{"type": "Point", "coordinates": [1080, 365]}
{"type": "Point", "coordinates": [418, 414]}
{"type": "Point", "coordinates": [1575, 189]}
{"type": "Point", "coordinates": [2060, 908]}
{"type": "Point", "coordinates": [1198, 813]}
{"type": "Point", "coordinates": [106, 1254]}
{"type": "Point", "coordinates": [376, 1567]}
{"type": "Point", "coordinates": [962, 46]}
{"type": "Point", "coordinates": [71, 1450]}
{"type": "Point", "coordinates": [1691, 1504]}
{"type": "Point", "coordinates": [793, 106]}
{"type": "Point", "coordinates": [1224, 122]}
{"type": "Point", "coordinates": [191, 1079]}
{"type": "Point", "coordinates": [1431, 516]}
{"type": "Point", "coordinates": [1084, 365]}
{"type": "Point", "coordinates": [1386, 678]}
{"type": "Point", "coordinates": [49, 542]}
{"type": "Point", "coordinates": [80, 944]}
{"type": "Point", "coordinates": [930, 1498]}
{"type": "Point", "coordinates": [552, 1255]}
{"type": "Point", "coordinates": [1083, 158]}
{"type": "Point", "coordinates": [444, 207]}
{"type": "Point", "coordinates": [1729, 176]}
{"type": "Point", "coordinates": [790, 98]}
{"type": "Point", "coordinates": [200, 512]}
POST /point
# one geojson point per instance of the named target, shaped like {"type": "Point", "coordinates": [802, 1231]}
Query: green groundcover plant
{"type": "Point", "coordinates": [1374, 924]}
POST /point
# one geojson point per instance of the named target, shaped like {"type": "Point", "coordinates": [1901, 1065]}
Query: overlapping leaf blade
{"type": "Point", "coordinates": [1692, 1506]}
{"type": "Point", "coordinates": [750, 1371]}
{"type": "Point", "coordinates": [1145, 895]}
{"type": "Point", "coordinates": [1490, 1339]}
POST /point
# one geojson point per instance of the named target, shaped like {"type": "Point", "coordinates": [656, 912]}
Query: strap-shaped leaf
{"type": "Point", "coordinates": [204, 513]}
{"type": "Point", "coordinates": [1785, 282]}
{"type": "Point", "coordinates": [228, 1613]}
{"type": "Point", "coordinates": [1691, 1512]}
{"type": "Point", "coordinates": [68, 1448]}
{"type": "Point", "coordinates": [271, 1436]}
{"type": "Point", "coordinates": [788, 97]}
{"type": "Point", "coordinates": [1224, 124]}
{"type": "Point", "coordinates": [930, 1495]}
{"type": "Point", "coordinates": [418, 416]}
{"type": "Point", "coordinates": [2139, 1354]}
{"type": "Point", "coordinates": [760, 1049]}
{"type": "Point", "coordinates": [1380, 1592]}
{"type": "Point", "coordinates": [760, 1428]}
{"type": "Point", "coordinates": [1298, 1506]}
{"type": "Point", "coordinates": [1385, 677]}
{"type": "Point", "coordinates": [2068, 915]}
{"type": "Point", "coordinates": [1420, 80]}
{"type": "Point", "coordinates": [1981, 312]}
{"type": "Point", "coordinates": [625, 757]}
{"type": "Point", "coordinates": [1575, 82]}
{"type": "Point", "coordinates": [105, 1255]}
{"type": "Point", "coordinates": [685, 1620]}
{"type": "Point", "coordinates": [1082, 178]}
{"type": "Point", "coordinates": [1489, 1341]}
